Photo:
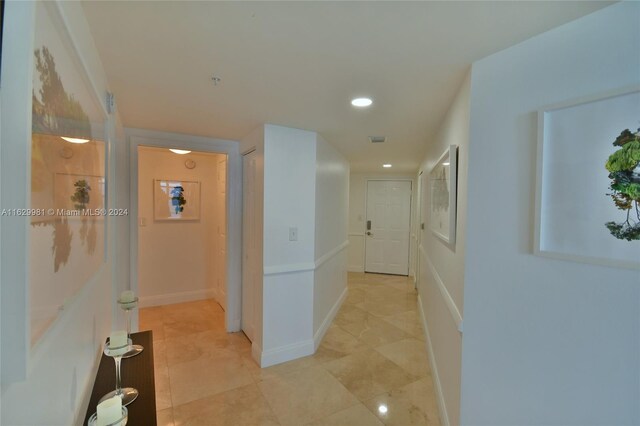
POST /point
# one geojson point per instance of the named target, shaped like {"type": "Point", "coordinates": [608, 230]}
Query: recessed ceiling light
{"type": "Point", "coordinates": [179, 151]}
{"type": "Point", "coordinates": [382, 409]}
{"type": "Point", "coordinates": [386, 166]}
{"type": "Point", "coordinates": [74, 140]}
{"type": "Point", "coordinates": [445, 164]}
{"type": "Point", "coordinates": [361, 102]}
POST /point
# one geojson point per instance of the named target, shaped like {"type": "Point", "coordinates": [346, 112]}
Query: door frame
{"type": "Point", "coordinates": [411, 217]}
{"type": "Point", "coordinates": [253, 332]}
{"type": "Point", "coordinates": [419, 227]}
{"type": "Point", "coordinates": [138, 137]}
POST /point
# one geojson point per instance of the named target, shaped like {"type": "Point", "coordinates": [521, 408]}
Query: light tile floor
{"type": "Point", "coordinates": [372, 356]}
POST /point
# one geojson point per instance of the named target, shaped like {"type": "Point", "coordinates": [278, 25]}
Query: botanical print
{"type": "Point", "coordinates": [588, 180]}
{"type": "Point", "coordinates": [81, 196]}
{"type": "Point", "coordinates": [67, 176]}
{"type": "Point", "coordinates": [440, 190]}
{"type": "Point", "coordinates": [624, 172]}
{"type": "Point", "coordinates": [56, 111]}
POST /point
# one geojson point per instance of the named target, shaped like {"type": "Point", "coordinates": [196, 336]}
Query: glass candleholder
{"type": "Point", "coordinates": [127, 307]}
{"type": "Point", "coordinates": [128, 395]}
{"type": "Point", "coordinates": [93, 420]}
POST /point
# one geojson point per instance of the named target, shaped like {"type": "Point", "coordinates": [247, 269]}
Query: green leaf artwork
{"type": "Point", "coordinates": [82, 195]}
{"type": "Point", "coordinates": [624, 172]}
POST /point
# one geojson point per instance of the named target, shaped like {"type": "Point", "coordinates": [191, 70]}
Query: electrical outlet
{"type": "Point", "coordinates": [293, 234]}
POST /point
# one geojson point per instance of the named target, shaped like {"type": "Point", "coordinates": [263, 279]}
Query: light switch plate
{"type": "Point", "coordinates": [293, 234]}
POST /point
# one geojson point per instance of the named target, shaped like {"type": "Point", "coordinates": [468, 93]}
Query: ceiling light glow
{"type": "Point", "coordinates": [361, 102]}
{"type": "Point", "coordinates": [179, 151]}
{"type": "Point", "coordinates": [74, 140]}
{"type": "Point", "coordinates": [382, 409]}
{"type": "Point", "coordinates": [386, 166]}
{"type": "Point", "coordinates": [445, 164]}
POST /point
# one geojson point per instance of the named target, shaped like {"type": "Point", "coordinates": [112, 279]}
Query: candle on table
{"type": "Point", "coordinates": [127, 296]}
{"type": "Point", "coordinates": [127, 299]}
{"type": "Point", "coordinates": [118, 342]}
{"type": "Point", "coordinates": [109, 411]}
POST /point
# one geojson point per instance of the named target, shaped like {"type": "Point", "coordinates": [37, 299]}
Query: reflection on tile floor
{"type": "Point", "coordinates": [371, 368]}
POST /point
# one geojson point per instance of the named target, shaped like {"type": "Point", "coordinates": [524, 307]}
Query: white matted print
{"type": "Point", "coordinates": [68, 171]}
{"type": "Point", "coordinates": [573, 195]}
{"type": "Point", "coordinates": [443, 186]}
{"type": "Point", "coordinates": [176, 200]}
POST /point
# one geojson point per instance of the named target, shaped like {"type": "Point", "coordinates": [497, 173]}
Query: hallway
{"type": "Point", "coordinates": [370, 369]}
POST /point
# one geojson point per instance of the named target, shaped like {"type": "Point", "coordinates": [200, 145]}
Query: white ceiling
{"type": "Point", "coordinates": [298, 64]}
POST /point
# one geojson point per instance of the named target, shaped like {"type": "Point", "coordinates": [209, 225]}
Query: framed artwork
{"type": "Point", "coordinates": [588, 180]}
{"type": "Point", "coordinates": [1, 30]}
{"type": "Point", "coordinates": [176, 200]}
{"type": "Point", "coordinates": [68, 174]}
{"type": "Point", "coordinates": [443, 185]}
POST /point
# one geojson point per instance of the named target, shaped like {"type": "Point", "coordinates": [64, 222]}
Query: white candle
{"type": "Point", "coordinates": [118, 342]}
{"type": "Point", "coordinates": [127, 296]}
{"type": "Point", "coordinates": [109, 411]}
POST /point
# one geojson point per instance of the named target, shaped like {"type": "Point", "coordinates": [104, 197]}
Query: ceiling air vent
{"type": "Point", "coordinates": [377, 139]}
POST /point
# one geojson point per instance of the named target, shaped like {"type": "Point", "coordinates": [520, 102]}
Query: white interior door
{"type": "Point", "coordinates": [388, 227]}
{"type": "Point", "coordinates": [221, 234]}
{"type": "Point", "coordinates": [249, 245]}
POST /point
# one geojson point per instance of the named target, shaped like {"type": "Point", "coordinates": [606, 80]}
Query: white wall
{"type": "Point", "coordinates": [289, 201]}
{"type": "Point", "coordinates": [303, 282]}
{"type": "Point", "coordinates": [289, 191]}
{"type": "Point", "coordinates": [545, 341]}
{"type": "Point", "coordinates": [60, 369]}
{"type": "Point", "coordinates": [441, 266]}
{"type": "Point", "coordinates": [331, 204]}
{"type": "Point", "coordinates": [358, 215]}
{"type": "Point", "coordinates": [179, 261]}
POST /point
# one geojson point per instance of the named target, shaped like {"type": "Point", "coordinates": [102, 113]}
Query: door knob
{"type": "Point", "coordinates": [369, 233]}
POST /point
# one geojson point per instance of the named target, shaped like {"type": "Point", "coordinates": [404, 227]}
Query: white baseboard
{"type": "Point", "coordinates": [256, 352]}
{"type": "Point", "coordinates": [234, 326]}
{"type": "Point", "coordinates": [171, 298]}
{"type": "Point", "coordinates": [319, 334]}
{"type": "Point", "coordinates": [442, 406]}
{"type": "Point", "coordinates": [284, 353]}
{"type": "Point", "coordinates": [355, 268]}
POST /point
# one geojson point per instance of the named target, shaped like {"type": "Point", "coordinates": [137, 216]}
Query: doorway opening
{"type": "Point", "coordinates": [251, 253]}
{"type": "Point", "coordinates": [225, 255]}
{"type": "Point", "coordinates": [182, 223]}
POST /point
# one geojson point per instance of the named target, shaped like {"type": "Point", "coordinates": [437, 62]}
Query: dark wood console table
{"type": "Point", "coordinates": [136, 372]}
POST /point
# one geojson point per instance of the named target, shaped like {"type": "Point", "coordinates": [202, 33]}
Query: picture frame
{"type": "Point", "coordinates": [176, 200]}
{"type": "Point", "coordinates": [443, 196]}
{"type": "Point", "coordinates": [69, 145]}
{"type": "Point", "coordinates": [1, 32]}
{"type": "Point", "coordinates": [573, 195]}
